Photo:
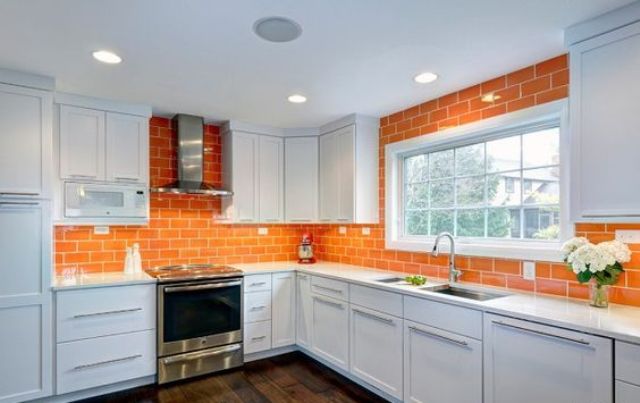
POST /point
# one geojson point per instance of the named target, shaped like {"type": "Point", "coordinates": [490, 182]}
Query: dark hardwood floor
{"type": "Point", "coordinates": [287, 378]}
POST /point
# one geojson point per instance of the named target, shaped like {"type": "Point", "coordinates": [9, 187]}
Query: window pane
{"type": "Point", "coordinates": [503, 223]}
{"type": "Point", "coordinates": [417, 196]}
{"type": "Point", "coordinates": [541, 186]}
{"type": "Point", "coordinates": [503, 154]}
{"type": "Point", "coordinates": [471, 223]}
{"type": "Point", "coordinates": [504, 189]}
{"type": "Point", "coordinates": [441, 221]}
{"type": "Point", "coordinates": [441, 164]}
{"type": "Point", "coordinates": [470, 191]}
{"type": "Point", "coordinates": [542, 223]}
{"type": "Point", "coordinates": [541, 148]}
{"type": "Point", "coordinates": [470, 160]}
{"type": "Point", "coordinates": [416, 168]}
{"type": "Point", "coordinates": [416, 223]}
{"type": "Point", "coordinates": [442, 193]}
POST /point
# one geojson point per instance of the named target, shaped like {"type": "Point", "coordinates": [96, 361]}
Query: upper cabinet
{"type": "Point", "coordinates": [25, 141]}
{"type": "Point", "coordinates": [301, 179]}
{"type": "Point", "coordinates": [604, 91]}
{"type": "Point", "coordinates": [271, 179]}
{"type": "Point", "coordinates": [127, 156]}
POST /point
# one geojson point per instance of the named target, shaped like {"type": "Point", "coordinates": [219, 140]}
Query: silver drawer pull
{"type": "Point", "coordinates": [372, 316]}
{"type": "Point", "coordinates": [438, 336]}
{"type": "Point", "coordinates": [82, 176]}
{"type": "Point", "coordinates": [8, 203]}
{"type": "Point", "coordinates": [101, 363]}
{"type": "Point", "coordinates": [257, 308]}
{"type": "Point", "coordinates": [18, 194]}
{"type": "Point", "coordinates": [258, 284]}
{"type": "Point", "coordinates": [125, 178]}
{"type": "Point", "coordinates": [300, 220]}
{"type": "Point", "coordinates": [542, 333]}
{"type": "Point", "coordinates": [324, 301]}
{"type": "Point", "coordinates": [221, 284]}
{"type": "Point", "coordinates": [88, 315]}
{"type": "Point", "coordinates": [328, 289]}
{"type": "Point", "coordinates": [258, 338]}
{"type": "Point", "coordinates": [204, 354]}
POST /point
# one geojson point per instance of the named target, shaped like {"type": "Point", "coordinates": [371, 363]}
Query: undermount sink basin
{"type": "Point", "coordinates": [463, 292]}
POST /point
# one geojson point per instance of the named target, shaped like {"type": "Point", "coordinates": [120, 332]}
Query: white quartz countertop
{"type": "Point", "coordinates": [93, 280]}
{"type": "Point", "coordinates": [621, 322]}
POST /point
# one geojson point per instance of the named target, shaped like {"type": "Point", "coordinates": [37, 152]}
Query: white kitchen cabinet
{"type": "Point", "coordinates": [257, 337]}
{"type": "Point", "coordinates": [82, 143]}
{"type": "Point", "coordinates": [25, 141]}
{"type": "Point", "coordinates": [330, 330]}
{"type": "Point", "coordinates": [25, 300]}
{"type": "Point", "coordinates": [240, 174]}
{"type": "Point", "coordinates": [627, 393]}
{"type": "Point", "coordinates": [605, 185]}
{"type": "Point", "coordinates": [301, 179]}
{"type": "Point", "coordinates": [349, 174]}
{"type": "Point", "coordinates": [283, 311]}
{"type": "Point", "coordinates": [127, 143]}
{"type": "Point", "coordinates": [530, 363]}
{"type": "Point", "coordinates": [376, 349]}
{"type": "Point", "coordinates": [441, 366]}
{"type": "Point", "coordinates": [304, 306]}
{"type": "Point", "coordinates": [271, 179]}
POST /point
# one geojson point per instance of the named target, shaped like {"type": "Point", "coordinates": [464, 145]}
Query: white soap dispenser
{"type": "Point", "coordinates": [137, 259]}
{"type": "Point", "coordinates": [128, 262]}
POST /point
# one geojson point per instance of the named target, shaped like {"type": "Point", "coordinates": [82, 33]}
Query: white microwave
{"type": "Point", "coordinates": [91, 200]}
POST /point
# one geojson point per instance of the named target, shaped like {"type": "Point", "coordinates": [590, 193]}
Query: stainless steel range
{"type": "Point", "coordinates": [199, 320]}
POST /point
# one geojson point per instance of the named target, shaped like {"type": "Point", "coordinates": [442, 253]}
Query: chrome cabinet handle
{"type": "Point", "coordinates": [199, 355]}
{"type": "Point", "coordinates": [324, 301]}
{"type": "Point", "coordinates": [18, 194]}
{"type": "Point", "coordinates": [257, 308]}
{"type": "Point", "coordinates": [328, 289]}
{"type": "Point", "coordinates": [300, 220]}
{"type": "Point", "coordinates": [372, 316]}
{"type": "Point", "coordinates": [125, 178]}
{"type": "Point", "coordinates": [438, 336]}
{"type": "Point", "coordinates": [543, 333]}
{"type": "Point", "coordinates": [9, 203]}
{"type": "Point", "coordinates": [257, 284]}
{"type": "Point", "coordinates": [101, 363]}
{"type": "Point", "coordinates": [87, 315]}
{"type": "Point", "coordinates": [258, 338]}
{"type": "Point", "coordinates": [202, 287]}
{"type": "Point", "coordinates": [82, 176]}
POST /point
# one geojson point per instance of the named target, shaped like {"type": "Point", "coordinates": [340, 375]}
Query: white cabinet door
{"type": "Point", "coordinates": [271, 179]}
{"type": "Point", "coordinates": [304, 306]}
{"type": "Point", "coordinates": [245, 177]}
{"type": "Point", "coordinates": [25, 300]}
{"type": "Point", "coordinates": [25, 141]}
{"type": "Point", "coordinates": [329, 177]}
{"type": "Point", "coordinates": [127, 157]}
{"type": "Point", "coordinates": [283, 306]}
{"type": "Point", "coordinates": [376, 349]}
{"type": "Point", "coordinates": [331, 330]}
{"type": "Point", "coordinates": [301, 179]}
{"type": "Point", "coordinates": [530, 363]}
{"type": "Point", "coordinates": [440, 366]}
{"type": "Point", "coordinates": [627, 393]}
{"type": "Point", "coordinates": [82, 143]}
{"type": "Point", "coordinates": [346, 173]}
{"type": "Point", "coordinates": [604, 125]}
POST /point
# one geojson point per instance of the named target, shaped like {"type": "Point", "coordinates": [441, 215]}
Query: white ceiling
{"type": "Point", "coordinates": [201, 56]}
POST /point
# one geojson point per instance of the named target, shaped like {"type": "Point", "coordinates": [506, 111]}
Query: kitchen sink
{"type": "Point", "coordinates": [463, 292]}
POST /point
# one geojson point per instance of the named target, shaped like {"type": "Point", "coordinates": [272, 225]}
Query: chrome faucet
{"type": "Point", "coordinates": [453, 272]}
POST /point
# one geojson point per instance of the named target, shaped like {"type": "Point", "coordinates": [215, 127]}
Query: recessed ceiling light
{"type": "Point", "coordinates": [490, 97]}
{"type": "Point", "coordinates": [426, 77]}
{"type": "Point", "coordinates": [277, 29]}
{"type": "Point", "coordinates": [297, 99]}
{"type": "Point", "coordinates": [105, 56]}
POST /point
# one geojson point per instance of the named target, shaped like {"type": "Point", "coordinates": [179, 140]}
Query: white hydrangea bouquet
{"type": "Point", "coordinates": [600, 265]}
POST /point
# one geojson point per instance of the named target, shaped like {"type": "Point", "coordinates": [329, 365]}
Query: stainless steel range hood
{"type": "Point", "coordinates": [190, 160]}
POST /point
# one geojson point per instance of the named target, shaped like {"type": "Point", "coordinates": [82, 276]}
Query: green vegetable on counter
{"type": "Point", "coordinates": [416, 280]}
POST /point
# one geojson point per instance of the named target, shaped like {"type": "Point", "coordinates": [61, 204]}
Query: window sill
{"type": "Point", "coordinates": [538, 251]}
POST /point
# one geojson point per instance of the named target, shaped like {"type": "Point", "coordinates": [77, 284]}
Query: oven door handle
{"type": "Point", "coordinates": [204, 354]}
{"type": "Point", "coordinates": [202, 286]}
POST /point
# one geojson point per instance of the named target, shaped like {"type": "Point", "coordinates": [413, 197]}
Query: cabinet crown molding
{"type": "Point", "coordinates": [103, 104]}
{"type": "Point", "coordinates": [23, 79]}
{"type": "Point", "coordinates": [602, 24]}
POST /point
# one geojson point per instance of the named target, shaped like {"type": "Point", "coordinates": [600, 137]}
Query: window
{"type": "Point", "coordinates": [497, 188]}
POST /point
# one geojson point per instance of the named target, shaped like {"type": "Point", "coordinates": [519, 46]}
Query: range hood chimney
{"type": "Point", "coordinates": [190, 159]}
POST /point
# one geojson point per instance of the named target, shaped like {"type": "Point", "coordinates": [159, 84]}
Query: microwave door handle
{"type": "Point", "coordinates": [202, 286]}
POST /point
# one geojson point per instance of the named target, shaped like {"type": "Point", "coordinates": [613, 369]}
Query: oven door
{"type": "Point", "coordinates": [197, 315]}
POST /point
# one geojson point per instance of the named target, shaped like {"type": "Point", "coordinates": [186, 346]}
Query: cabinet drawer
{"type": "Point", "coordinates": [95, 312]}
{"type": "Point", "coordinates": [383, 301]}
{"type": "Point", "coordinates": [257, 337]}
{"type": "Point", "coordinates": [627, 362]}
{"type": "Point", "coordinates": [331, 288]}
{"type": "Point", "coordinates": [452, 318]}
{"type": "Point", "coordinates": [257, 306]}
{"type": "Point", "coordinates": [258, 282]}
{"type": "Point", "coordinates": [627, 393]}
{"type": "Point", "coordinates": [101, 361]}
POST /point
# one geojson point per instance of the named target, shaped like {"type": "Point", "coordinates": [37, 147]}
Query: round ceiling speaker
{"type": "Point", "coordinates": [277, 29]}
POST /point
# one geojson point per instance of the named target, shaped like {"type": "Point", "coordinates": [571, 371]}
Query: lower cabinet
{"type": "Point", "coordinates": [330, 332]}
{"type": "Point", "coordinates": [283, 299]}
{"type": "Point", "coordinates": [257, 337]}
{"type": "Point", "coordinates": [441, 366]}
{"type": "Point", "coordinates": [304, 305]}
{"type": "Point", "coordinates": [526, 362]}
{"type": "Point", "coordinates": [627, 393]}
{"type": "Point", "coordinates": [376, 349]}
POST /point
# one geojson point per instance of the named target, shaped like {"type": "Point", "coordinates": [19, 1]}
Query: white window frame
{"type": "Point", "coordinates": [478, 131]}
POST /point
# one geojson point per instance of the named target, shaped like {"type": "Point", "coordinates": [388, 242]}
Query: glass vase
{"type": "Point", "coordinates": [598, 295]}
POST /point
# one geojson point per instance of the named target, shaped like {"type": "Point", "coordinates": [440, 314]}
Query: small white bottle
{"type": "Point", "coordinates": [137, 259]}
{"type": "Point", "coordinates": [128, 262]}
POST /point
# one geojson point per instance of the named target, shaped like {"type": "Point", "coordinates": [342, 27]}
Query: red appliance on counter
{"type": "Point", "coordinates": [305, 250]}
